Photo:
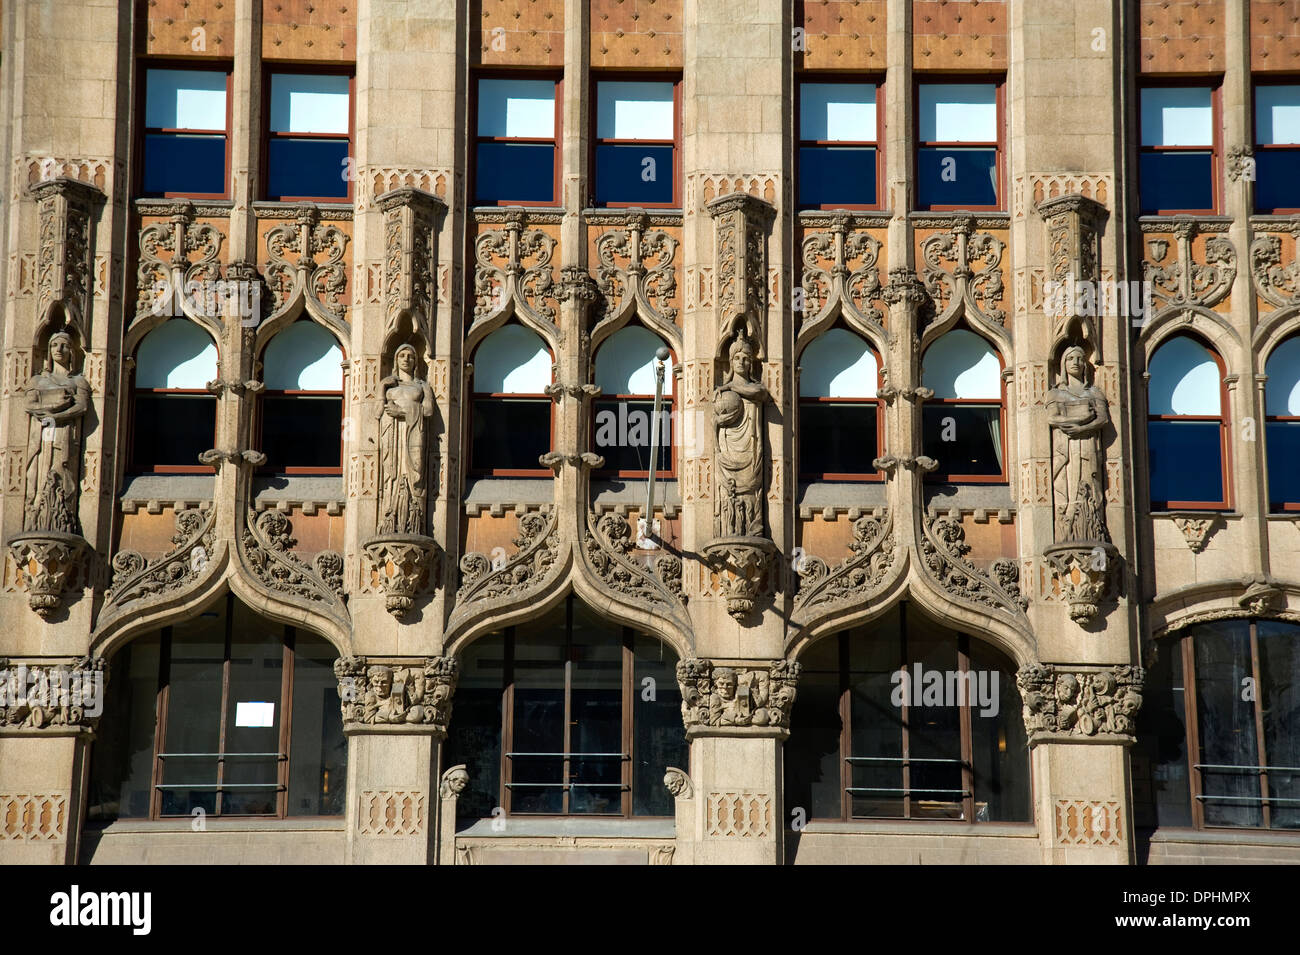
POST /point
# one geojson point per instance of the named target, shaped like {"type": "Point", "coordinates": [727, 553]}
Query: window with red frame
{"type": "Point", "coordinates": [1282, 425]}
{"type": "Point", "coordinates": [624, 412]}
{"type": "Point", "coordinates": [310, 137]}
{"type": "Point", "coordinates": [173, 415]}
{"type": "Point", "coordinates": [511, 412]}
{"type": "Point", "coordinates": [959, 145]}
{"type": "Point", "coordinates": [1277, 148]}
{"type": "Point", "coordinates": [1186, 428]}
{"type": "Point", "coordinates": [186, 133]}
{"type": "Point", "coordinates": [839, 145]}
{"type": "Point", "coordinates": [1178, 158]}
{"type": "Point", "coordinates": [636, 143]}
{"type": "Point", "coordinates": [302, 407]}
{"type": "Point", "coordinates": [962, 425]}
{"type": "Point", "coordinates": [839, 412]}
{"type": "Point", "coordinates": [516, 140]}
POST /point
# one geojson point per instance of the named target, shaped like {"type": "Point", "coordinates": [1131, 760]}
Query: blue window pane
{"type": "Point", "coordinates": [1181, 180]}
{"type": "Point", "coordinates": [308, 167]}
{"type": "Point", "coordinates": [1186, 462]}
{"type": "Point", "coordinates": [514, 172]}
{"type": "Point", "coordinates": [844, 175]}
{"type": "Point", "coordinates": [185, 164]}
{"type": "Point", "coordinates": [957, 177]}
{"type": "Point", "coordinates": [623, 173]}
{"type": "Point", "coordinates": [1277, 179]}
{"type": "Point", "coordinates": [1283, 462]}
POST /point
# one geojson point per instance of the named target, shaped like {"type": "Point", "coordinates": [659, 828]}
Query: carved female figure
{"type": "Point", "coordinates": [407, 407]}
{"type": "Point", "coordinates": [1078, 412]}
{"type": "Point", "coordinates": [56, 401]}
{"type": "Point", "coordinates": [738, 423]}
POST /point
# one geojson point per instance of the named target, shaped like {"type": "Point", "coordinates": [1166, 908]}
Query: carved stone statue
{"type": "Point", "coordinates": [1078, 413]}
{"type": "Point", "coordinates": [738, 424]}
{"type": "Point", "coordinates": [57, 400]}
{"type": "Point", "coordinates": [403, 433]}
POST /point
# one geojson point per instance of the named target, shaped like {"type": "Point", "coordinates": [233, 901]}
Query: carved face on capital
{"type": "Point", "coordinates": [381, 681]}
{"type": "Point", "coordinates": [727, 685]}
{"type": "Point", "coordinates": [405, 359]}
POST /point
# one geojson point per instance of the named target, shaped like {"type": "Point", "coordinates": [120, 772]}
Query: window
{"type": "Point", "coordinates": [186, 146]}
{"type": "Point", "coordinates": [959, 151]}
{"type": "Point", "coordinates": [1282, 425]}
{"type": "Point", "coordinates": [1209, 754]}
{"type": "Point", "coordinates": [517, 156]}
{"type": "Point", "coordinates": [1185, 424]}
{"type": "Point", "coordinates": [550, 720]}
{"type": "Point", "coordinates": [636, 143]}
{"type": "Point", "coordinates": [839, 413]}
{"type": "Point", "coordinates": [302, 407]}
{"type": "Point", "coordinates": [962, 427]}
{"type": "Point", "coordinates": [1177, 168]}
{"type": "Point", "coordinates": [624, 411]}
{"type": "Point", "coordinates": [229, 713]}
{"type": "Point", "coordinates": [310, 137]}
{"type": "Point", "coordinates": [174, 416]}
{"type": "Point", "coordinates": [905, 719]}
{"type": "Point", "coordinates": [1277, 149]}
{"type": "Point", "coordinates": [511, 411]}
{"type": "Point", "coordinates": [839, 137]}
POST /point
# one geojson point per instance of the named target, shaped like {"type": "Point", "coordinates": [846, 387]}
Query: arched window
{"type": "Point", "coordinates": [1219, 731]}
{"type": "Point", "coordinates": [839, 413]}
{"type": "Point", "coordinates": [1186, 430]}
{"type": "Point", "coordinates": [1282, 427]}
{"type": "Point", "coordinates": [550, 719]}
{"type": "Point", "coordinates": [511, 411]}
{"type": "Point", "coordinates": [302, 407]}
{"type": "Point", "coordinates": [962, 425]}
{"type": "Point", "coordinates": [229, 713]}
{"type": "Point", "coordinates": [174, 416]}
{"type": "Point", "coordinates": [905, 719]}
{"type": "Point", "coordinates": [626, 377]}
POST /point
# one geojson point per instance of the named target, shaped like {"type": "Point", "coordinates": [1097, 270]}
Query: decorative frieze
{"type": "Point", "coordinates": [637, 275]}
{"type": "Point", "coordinates": [950, 275]}
{"type": "Point", "coordinates": [388, 812]}
{"type": "Point", "coordinates": [840, 268]}
{"type": "Point", "coordinates": [1181, 281]}
{"type": "Point", "coordinates": [738, 814]}
{"type": "Point", "coordinates": [509, 579]}
{"type": "Point", "coordinates": [1080, 703]}
{"type": "Point", "coordinates": [316, 276]}
{"type": "Point", "coordinates": [608, 549]}
{"type": "Point", "coordinates": [266, 552]}
{"type": "Point", "coordinates": [513, 271]}
{"type": "Point", "coordinates": [33, 817]}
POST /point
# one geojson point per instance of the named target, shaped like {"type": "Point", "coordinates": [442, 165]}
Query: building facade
{"type": "Point", "coordinates": [332, 336]}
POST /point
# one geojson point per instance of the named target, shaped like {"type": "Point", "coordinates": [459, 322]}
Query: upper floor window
{"type": "Point", "coordinates": [959, 146]}
{"type": "Point", "coordinates": [962, 426]}
{"type": "Point", "coordinates": [1277, 149]}
{"type": "Point", "coordinates": [839, 145]}
{"type": "Point", "coordinates": [310, 137]}
{"type": "Point", "coordinates": [186, 127]}
{"type": "Point", "coordinates": [1178, 164]}
{"type": "Point", "coordinates": [624, 412]}
{"type": "Point", "coordinates": [174, 416]}
{"type": "Point", "coordinates": [511, 416]}
{"type": "Point", "coordinates": [516, 142]}
{"type": "Point", "coordinates": [839, 413]}
{"type": "Point", "coordinates": [1186, 424]}
{"type": "Point", "coordinates": [302, 407]}
{"type": "Point", "coordinates": [636, 143]}
{"type": "Point", "coordinates": [1282, 425]}
{"type": "Point", "coordinates": [905, 719]}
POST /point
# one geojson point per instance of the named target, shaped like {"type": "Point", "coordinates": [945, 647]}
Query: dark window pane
{"type": "Point", "coordinates": [474, 739]}
{"type": "Point", "coordinates": [623, 435]}
{"type": "Point", "coordinates": [596, 715]}
{"type": "Point", "coordinates": [514, 172]}
{"type": "Point", "coordinates": [965, 439]}
{"type": "Point", "coordinates": [307, 167]}
{"type": "Point", "coordinates": [876, 768]}
{"type": "Point", "coordinates": [999, 745]}
{"type": "Point", "coordinates": [1173, 445]}
{"type": "Point", "coordinates": [510, 434]}
{"type": "Point", "coordinates": [122, 761]}
{"type": "Point", "coordinates": [1283, 461]}
{"type": "Point", "coordinates": [172, 430]}
{"type": "Point", "coordinates": [957, 176]}
{"type": "Point", "coordinates": [837, 438]}
{"type": "Point", "coordinates": [1229, 746]}
{"type": "Point", "coordinates": [1176, 180]}
{"type": "Point", "coordinates": [318, 765]}
{"type": "Point", "coordinates": [253, 715]}
{"type": "Point", "coordinates": [658, 740]}
{"type": "Point", "coordinates": [1279, 696]}
{"type": "Point", "coordinates": [812, 756]}
{"type": "Point", "coordinates": [184, 163]}
{"type": "Point", "coordinates": [1161, 786]}
{"type": "Point", "coordinates": [1277, 185]}
{"type": "Point", "coordinates": [634, 173]}
{"type": "Point", "coordinates": [843, 175]}
{"type": "Point", "coordinates": [302, 431]}
{"type": "Point", "coordinates": [537, 774]}
{"type": "Point", "coordinates": [198, 651]}
{"type": "Point", "coordinates": [934, 727]}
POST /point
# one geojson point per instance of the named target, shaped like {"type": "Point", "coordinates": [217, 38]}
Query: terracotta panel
{"type": "Point", "coordinates": [1274, 35]}
{"type": "Point", "coordinates": [199, 28]}
{"type": "Point", "coordinates": [517, 32]}
{"type": "Point", "coordinates": [959, 36]}
{"type": "Point", "coordinates": [1181, 36]}
{"type": "Point", "coordinates": [842, 34]}
{"type": "Point", "coordinates": [309, 30]}
{"type": "Point", "coordinates": [636, 33]}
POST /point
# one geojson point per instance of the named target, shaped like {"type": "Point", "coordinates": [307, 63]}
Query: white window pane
{"type": "Point", "coordinates": [625, 363]}
{"type": "Point", "coordinates": [303, 357]}
{"type": "Point", "coordinates": [1282, 391]}
{"type": "Point", "coordinates": [309, 104]}
{"type": "Point", "coordinates": [252, 713]}
{"type": "Point", "coordinates": [512, 360]}
{"type": "Point", "coordinates": [843, 112]}
{"type": "Point", "coordinates": [176, 354]}
{"type": "Point", "coordinates": [1184, 379]}
{"type": "Point", "coordinates": [1177, 117]}
{"type": "Point", "coordinates": [634, 111]}
{"type": "Point", "coordinates": [838, 364]}
{"type": "Point", "coordinates": [1277, 115]}
{"type": "Point", "coordinates": [958, 112]}
{"type": "Point", "coordinates": [523, 109]}
{"type": "Point", "coordinates": [185, 99]}
{"type": "Point", "coordinates": [962, 365]}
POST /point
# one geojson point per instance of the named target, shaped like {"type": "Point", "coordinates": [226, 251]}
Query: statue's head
{"type": "Point", "coordinates": [741, 356]}
{"type": "Point", "coordinates": [60, 350]}
{"type": "Point", "coordinates": [1074, 363]}
{"type": "Point", "coordinates": [404, 359]}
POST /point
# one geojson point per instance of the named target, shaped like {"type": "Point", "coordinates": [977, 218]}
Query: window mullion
{"type": "Point", "coordinates": [225, 702]}
{"type": "Point", "coordinates": [507, 721]}
{"type": "Point", "coordinates": [1190, 693]}
{"type": "Point", "coordinates": [625, 718]}
{"type": "Point", "coordinates": [1261, 749]}
{"type": "Point", "coordinates": [160, 726]}
{"type": "Point", "coordinates": [967, 730]}
{"type": "Point", "coordinates": [568, 703]}
{"type": "Point", "coordinates": [846, 729]}
{"type": "Point", "coordinates": [286, 723]}
{"type": "Point", "coordinates": [906, 714]}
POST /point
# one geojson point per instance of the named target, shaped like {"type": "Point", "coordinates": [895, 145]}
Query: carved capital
{"type": "Point", "coordinates": [1080, 704]}
{"type": "Point", "coordinates": [51, 697]}
{"type": "Point", "coordinates": [397, 695]}
{"type": "Point", "coordinates": [737, 700]}
{"type": "Point", "coordinates": [401, 561]}
{"type": "Point", "coordinates": [741, 564]}
{"type": "Point", "coordinates": [48, 562]}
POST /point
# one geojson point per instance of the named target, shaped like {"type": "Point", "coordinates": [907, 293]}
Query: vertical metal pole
{"type": "Point", "coordinates": [646, 540]}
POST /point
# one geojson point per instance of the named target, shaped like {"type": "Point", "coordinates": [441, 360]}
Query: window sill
{"type": "Point", "coordinates": [589, 827]}
{"type": "Point", "coordinates": [1263, 837]}
{"type": "Point", "coordinates": [210, 824]}
{"type": "Point", "coordinates": [917, 827]}
{"type": "Point", "coordinates": [487, 492]}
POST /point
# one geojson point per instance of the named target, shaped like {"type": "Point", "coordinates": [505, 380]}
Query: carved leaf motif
{"type": "Point", "coordinates": [538, 546]}
{"type": "Point", "coordinates": [944, 550]}
{"type": "Point", "coordinates": [266, 548]}
{"type": "Point", "coordinates": [606, 546]}
{"type": "Point", "coordinates": [854, 579]}
{"type": "Point", "coordinates": [1276, 283]}
{"type": "Point", "coordinates": [135, 580]}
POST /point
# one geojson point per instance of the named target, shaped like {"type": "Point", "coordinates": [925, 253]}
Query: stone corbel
{"type": "Point", "coordinates": [920, 463]}
{"type": "Point", "coordinates": [1260, 596]}
{"type": "Point", "coordinates": [678, 783]}
{"type": "Point", "coordinates": [215, 457]}
{"type": "Point", "coordinates": [1197, 530]}
{"type": "Point", "coordinates": [49, 562]}
{"type": "Point", "coordinates": [886, 463]}
{"type": "Point", "coordinates": [410, 260]}
{"type": "Point", "coordinates": [1086, 573]}
{"type": "Point", "coordinates": [401, 561]}
{"type": "Point", "coordinates": [740, 700]}
{"type": "Point", "coordinates": [1080, 704]}
{"type": "Point", "coordinates": [741, 563]}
